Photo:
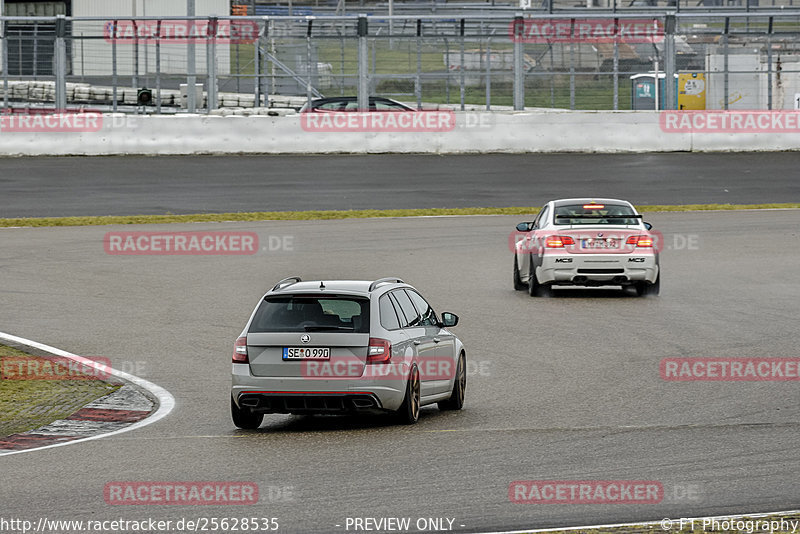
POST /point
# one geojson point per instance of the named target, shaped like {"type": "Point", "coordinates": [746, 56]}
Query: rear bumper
{"type": "Point", "coordinates": [598, 269]}
{"type": "Point", "coordinates": [303, 403]}
{"type": "Point", "coordinates": [303, 395]}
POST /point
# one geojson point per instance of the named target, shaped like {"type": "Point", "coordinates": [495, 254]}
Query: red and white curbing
{"type": "Point", "coordinates": [121, 411]}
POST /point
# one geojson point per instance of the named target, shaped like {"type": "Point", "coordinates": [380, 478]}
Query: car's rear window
{"type": "Point", "coordinates": [577, 214]}
{"type": "Point", "coordinates": [303, 313]}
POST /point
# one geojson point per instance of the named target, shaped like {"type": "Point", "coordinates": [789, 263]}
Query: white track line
{"type": "Point", "coordinates": [674, 522]}
{"type": "Point", "coordinates": [166, 402]}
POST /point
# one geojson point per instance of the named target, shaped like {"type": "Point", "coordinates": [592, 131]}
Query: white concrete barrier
{"type": "Point", "coordinates": [473, 132]}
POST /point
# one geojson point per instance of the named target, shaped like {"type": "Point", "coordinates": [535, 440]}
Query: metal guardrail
{"type": "Point", "coordinates": [573, 59]}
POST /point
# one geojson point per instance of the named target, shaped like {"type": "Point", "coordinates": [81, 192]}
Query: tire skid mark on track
{"type": "Point", "coordinates": [96, 420]}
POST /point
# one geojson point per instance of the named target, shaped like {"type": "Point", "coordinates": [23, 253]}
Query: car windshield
{"type": "Point", "coordinates": [302, 313]}
{"type": "Point", "coordinates": [597, 214]}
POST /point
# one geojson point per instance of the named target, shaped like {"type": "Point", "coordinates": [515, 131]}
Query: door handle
{"type": "Point", "coordinates": [436, 340]}
{"type": "Point", "coordinates": [416, 342]}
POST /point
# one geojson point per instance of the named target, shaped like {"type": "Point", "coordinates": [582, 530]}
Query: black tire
{"type": "Point", "coordinates": [456, 400]}
{"type": "Point", "coordinates": [643, 289]}
{"type": "Point", "coordinates": [535, 289]}
{"type": "Point", "coordinates": [518, 284]}
{"type": "Point", "coordinates": [408, 413]}
{"type": "Point", "coordinates": [244, 418]}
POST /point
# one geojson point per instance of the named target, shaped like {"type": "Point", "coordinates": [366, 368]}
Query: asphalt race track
{"type": "Point", "coordinates": [52, 187]}
{"type": "Point", "coordinates": [563, 388]}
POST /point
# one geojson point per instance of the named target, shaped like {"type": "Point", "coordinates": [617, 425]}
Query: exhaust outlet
{"type": "Point", "coordinates": [250, 403]}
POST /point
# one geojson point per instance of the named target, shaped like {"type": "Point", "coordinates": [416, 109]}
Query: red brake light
{"type": "Point", "coordinates": [379, 351]}
{"type": "Point", "coordinates": [593, 206]}
{"type": "Point", "coordinates": [558, 241]}
{"type": "Point", "coordinates": [640, 240]}
{"type": "Point", "coordinates": [240, 350]}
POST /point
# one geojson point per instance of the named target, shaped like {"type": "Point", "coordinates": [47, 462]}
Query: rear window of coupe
{"type": "Point", "coordinates": [577, 214]}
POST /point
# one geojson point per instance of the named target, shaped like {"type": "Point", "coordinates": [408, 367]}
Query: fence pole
{"type": "Point", "coordinates": [572, 65]}
{"type": "Point", "coordinates": [488, 85]}
{"type": "Point", "coordinates": [158, 67]}
{"type": "Point", "coordinates": [114, 68]}
{"type": "Point", "coordinates": [61, 63]}
{"type": "Point", "coordinates": [309, 70]}
{"type": "Point", "coordinates": [191, 78]}
{"type": "Point", "coordinates": [519, 64]}
{"type": "Point", "coordinates": [669, 62]}
{"type": "Point", "coordinates": [35, 49]}
{"type": "Point", "coordinates": [769, 65]}
{"type": "Point", "coordinates": [257, 67]}
{"type": "Point", "coordinates": [363, 63]}
{"type": "Point", "coordinates": [447, 62]}
{"type": "Point", "coordinates": [4, 44]}
{"type": "Point", "coordinates": [616, 61]}
{"type": "Point", "coordinates": [725, 59]}
{"type": "Point", "coordinates": [418, 79]}
{"type": "Point", "coordinates": [462, 67]}
{"type": "Point", "coordinates": [5, 63]}
{"type": "Point", "coordinates": [211, 62]}
{"type": "Point", "coordinates": [135, 79]}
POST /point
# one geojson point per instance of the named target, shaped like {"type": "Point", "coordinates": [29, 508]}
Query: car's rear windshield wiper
{"type": "Point", "coordinates": [319, 328]}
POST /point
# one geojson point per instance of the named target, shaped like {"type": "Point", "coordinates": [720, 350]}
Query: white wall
{"type": "Point", "coordinates": [515, 132]}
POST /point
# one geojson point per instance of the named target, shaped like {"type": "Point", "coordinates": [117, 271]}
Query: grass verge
{"type": "Point", "coordinates": [343, 214]}
{"type": "Point", "coordinates": [31, 395]}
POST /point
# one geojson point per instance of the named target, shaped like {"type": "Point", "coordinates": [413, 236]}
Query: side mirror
{"type": "Point", "coordinates": [647, 225]}
{"type": "Point", "coordinates": [524, 227]}
{"type": "Point", "coordinates": [449, 319]}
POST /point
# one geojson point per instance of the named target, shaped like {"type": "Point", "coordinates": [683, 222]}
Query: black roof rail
{"type": "Point", "coordinates": [282, 283]}
{"type": "Point", "coordinates": [390, 280]}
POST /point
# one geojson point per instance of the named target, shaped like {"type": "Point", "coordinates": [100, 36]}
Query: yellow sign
{"type": "Point", "coordinates": [238, 11]}
{"type": "Point", "coordinates": [692, 90]}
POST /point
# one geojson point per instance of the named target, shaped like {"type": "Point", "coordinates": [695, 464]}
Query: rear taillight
{"type": "Point", "coordinates": [240, 350]}
{"type": "Point", "coordinates": [558, 241]}
{"type": "Point", "coordinates": [379, 351]}
{"type": "Point", "coordinates": [640, 240]}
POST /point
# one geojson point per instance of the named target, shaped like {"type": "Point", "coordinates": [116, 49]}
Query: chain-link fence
{"type": "Point", "coordinates": [601, 60]}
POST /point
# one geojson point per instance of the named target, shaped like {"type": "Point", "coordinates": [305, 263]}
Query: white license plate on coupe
{"type": "Point", "coordinates": [599, 243]}
{"type": "Point", "coordinates": [306, 353]}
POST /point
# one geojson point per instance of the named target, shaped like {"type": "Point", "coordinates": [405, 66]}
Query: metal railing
{"type": "Point", "coordinates": [587, 59]}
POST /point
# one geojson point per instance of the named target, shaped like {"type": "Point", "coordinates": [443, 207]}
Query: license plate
{"type": "Point", "coordinates": [306, 353]}
{"type": "Point", "coordinates": [599, 243]}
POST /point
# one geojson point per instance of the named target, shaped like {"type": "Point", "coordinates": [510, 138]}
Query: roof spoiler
{"type": "Point", "coordinates": [286, 282]}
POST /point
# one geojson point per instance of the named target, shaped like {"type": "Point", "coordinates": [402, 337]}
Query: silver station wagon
{"type": "Point", "coordinates": [337, 347]}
